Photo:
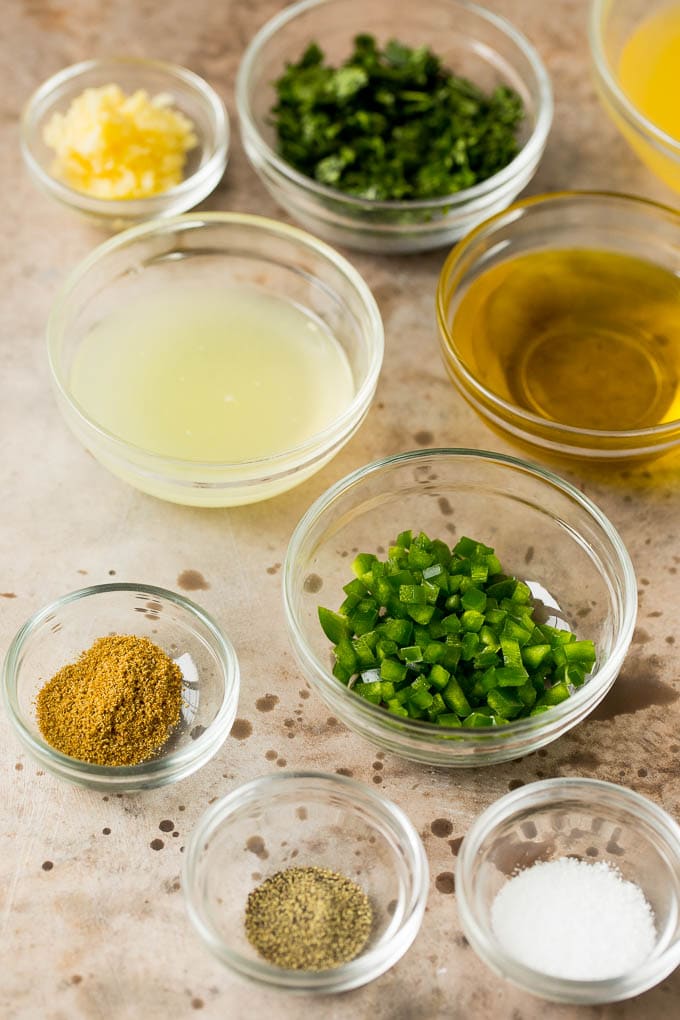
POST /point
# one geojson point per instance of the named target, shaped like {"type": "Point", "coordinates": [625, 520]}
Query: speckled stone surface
{"type": "Point", "coordinates": [92, 923]}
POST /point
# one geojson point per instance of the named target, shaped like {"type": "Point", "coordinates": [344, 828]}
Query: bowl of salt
{"type": "Point", "coordinates": [570, 888]}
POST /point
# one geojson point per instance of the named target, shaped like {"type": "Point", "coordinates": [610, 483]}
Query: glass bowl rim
{"type": "Point", "coordinates": [660, 137]}
{"type": "Point", "coordinates": [175, 761]}
{"type": "Point", "coordinates": [39, 102]}
{"type": "Point", "coordinates": [321, 440]}
{"type": "Point", "coordinates": [265, 788]}
{"type": "Point", "coordinates": [415, 728]}
{"type": "Point", "coordinates": [539, 794]}
{"type": "Point", "coordinates": [530, 150]}
{"type": "Point", "coordinates": [501, 407]}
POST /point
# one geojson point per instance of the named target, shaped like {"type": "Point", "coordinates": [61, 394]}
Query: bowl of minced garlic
{"type": "Point", "coordinates": [121, 686]}
{"type": "Point", "coordinates": [123, 139]}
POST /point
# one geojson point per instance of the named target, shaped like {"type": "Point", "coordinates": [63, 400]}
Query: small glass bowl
{"type": "Point", "coordinates": [621, 224]}
{"type": "Point", "coordinates": [472, 41]}
{"type": "Point", "coordinates": [590, 820]}
{"type": "Point", "coordinates": [190, 94]}
{"type": "Point", "coordinates": [302, 819]}
{"type": "Point", "coordinates": [544, 531]}
{"type": "Point", "coordinates": [217, 249]}
{"type": "Point", "coordinates": [57, 634]}
{"type": "Point", "coordinates": [610, 27]}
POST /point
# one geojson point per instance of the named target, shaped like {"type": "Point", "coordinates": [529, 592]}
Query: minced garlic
{"type": "Point", "coordinates": [114, 146]}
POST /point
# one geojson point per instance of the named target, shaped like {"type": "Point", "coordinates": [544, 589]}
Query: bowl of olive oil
{"type": "Point", "coordinates": [214, 359]}
{"type": "Point", "coordinates": [560, 325]}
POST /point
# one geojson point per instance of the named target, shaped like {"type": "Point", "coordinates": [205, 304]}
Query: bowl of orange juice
{"type": "Point", "coordinates": [635, 45]}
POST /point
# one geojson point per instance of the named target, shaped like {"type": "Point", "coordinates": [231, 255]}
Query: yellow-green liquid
{"type": "Point", "coordinates": [212, 374]}
{"type": "Point", "coordinates": [586, 338]}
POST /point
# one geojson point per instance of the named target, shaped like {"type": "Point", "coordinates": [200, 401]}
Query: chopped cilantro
{"type": "Point", "coordinates": [392, 124]}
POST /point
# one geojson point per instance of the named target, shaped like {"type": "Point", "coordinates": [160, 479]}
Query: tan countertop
{"type": "Point", "coordinates": [103, 932]}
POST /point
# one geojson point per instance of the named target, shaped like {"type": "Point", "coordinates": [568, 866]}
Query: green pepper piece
{"type": "Point", "coordinates": [356, 587]}
{"type": "Point", "coordinates": [387, 690]}
{"type": "Point", "coordinates": [421, 614]}
{"type": "Point", "coordinates": [475, 599]}
{"type": "Point", "coordinates": [334, 626]}
{"type": "Point", "coordinates": [535, 655]}
{"type": "Point", "coordinates": [449, 719]}
{"type": "Point", "coordinates": [438, 704]}
{"type": "Point", "coordinates": [395, 708]}
{"type": "Point", "coordinates": [341, 673]}
{"type": "Point", "coordinates": [455, 699]}
{"type": "Point", "coordinates": [469, 646]}
{"type": "Point", "coordinates": [364, 653]}
{"type": "Point", "coordinates": [346, 655]}
{"type": "Point", "coordinates": [370, 692]}
{"type": "Point", "coordinates": [362, 563]}
{"type": "Point", "coordinates": [476, 720]}
{"type": "Point", "coordinates": [527, 695]}
{"type": "Point", "coordinates": [487, 657]}
{"type": "Point", "coordinates": [364, 617]}
{"type": "Point", "coordinates": [419, 559]}
{"type": "Point", "coordinates": [386, 649]}
{"type": "Point", "coordinates": [392, 670]}
{"type": "Point", "coordinates": [554, 695]}
{"type": "Point", "coordinates": [412, 653]}
{"type": "Point", "coordinates": [439, 677]}
{"type": "Point", "coordinates": [434, 652]}
{"type": "Point", "coordinates": [580, 652]}
{"type": "Point", "coordinates": [421, 699]}
{"type": "Point", "coordinates": [413, 594]}
{"type": "Point", "coordinates": [399, 631]}
{"type": "Point", "coordinates": [505, 703]}
{"type": "Point", "coordinates": [471, 620]}
{"type": "Point", "coordinates": [422, 683]}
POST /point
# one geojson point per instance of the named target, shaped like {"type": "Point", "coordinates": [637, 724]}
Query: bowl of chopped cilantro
{"type": "Point", "coordinates": [458, 607]}
{"type": "Point", "coordinates": [392, 128]}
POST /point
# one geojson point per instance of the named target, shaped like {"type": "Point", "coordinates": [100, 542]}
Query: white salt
{"type": "Point", "coordinates": [574, 919]}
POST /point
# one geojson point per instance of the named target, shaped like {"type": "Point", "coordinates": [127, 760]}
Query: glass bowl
{"type": "Point", "coordinates": [216, 250]}
{"type": "Point", "coordinates": [57, 634]}
{"type": "Point", "coordinates": [620, 224]}
{"type": "Point", "coordinates": [589, 820]}
{"type": "Point", "coordinates": [303, 819]}
{"type": "Point", "coordinates": [472, 41]}
{"type": "Point", "coordinates": [190, 94]}
{"type": "Point", "coordinates": [544, 531]}
{"type": "Point", "coordinates": [611, 25]}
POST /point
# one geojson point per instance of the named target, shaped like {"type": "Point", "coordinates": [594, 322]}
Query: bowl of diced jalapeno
{"type": "Point", "coordinates": [458, 607]}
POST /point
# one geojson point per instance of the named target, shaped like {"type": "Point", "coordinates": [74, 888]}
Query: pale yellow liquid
{"type": "Point", "coordinates": [212, 374]}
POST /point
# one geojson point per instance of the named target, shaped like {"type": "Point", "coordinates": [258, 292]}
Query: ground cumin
{"type": "Point", "coordinates": [115, 706]}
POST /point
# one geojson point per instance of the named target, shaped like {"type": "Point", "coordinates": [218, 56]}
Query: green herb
{"type": "Point", "coordinates": [308, 919]}
{"type": "Point", "coordinates": [392, 123]}
{"type": "Point", "coordinates": [444, 635]}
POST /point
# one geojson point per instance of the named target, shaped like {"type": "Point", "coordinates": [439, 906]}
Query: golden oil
{"type": "Point", "coordinates": [586, 338]}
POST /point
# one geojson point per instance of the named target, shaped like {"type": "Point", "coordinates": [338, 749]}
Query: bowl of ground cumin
{"type": "Point", "coordinates": [306, 882]}
{"type": "Point", "coordinates": [121, 686]}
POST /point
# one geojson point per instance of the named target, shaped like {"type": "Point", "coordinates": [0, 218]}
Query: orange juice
{"type": "Point", "coordinates": [649, 75]}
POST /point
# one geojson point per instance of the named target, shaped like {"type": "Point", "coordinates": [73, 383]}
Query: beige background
{"type": "Point", "coordinates": [103, 933]}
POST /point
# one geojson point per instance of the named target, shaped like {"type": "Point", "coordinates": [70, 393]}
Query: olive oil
{"type": "Point", "coordinates": [586, 338]}
{"type": "Point", "coordinates": [212, 374]}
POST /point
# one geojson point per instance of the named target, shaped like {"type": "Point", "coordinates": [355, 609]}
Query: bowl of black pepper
{"type": "Point", "coordinates": [305, 881]}
{"type": "Point", "coordinates": [121, 687]}
{"type": "Point", "coordinates": [392, 127]}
